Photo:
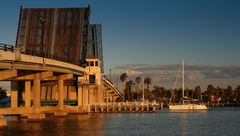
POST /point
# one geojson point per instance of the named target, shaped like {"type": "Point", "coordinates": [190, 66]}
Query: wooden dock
{"type": "Point", "coordinates": [120, 107]}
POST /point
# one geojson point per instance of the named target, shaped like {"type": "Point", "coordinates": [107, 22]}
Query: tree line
{"type": "Point", "coordinates": [133, 91]}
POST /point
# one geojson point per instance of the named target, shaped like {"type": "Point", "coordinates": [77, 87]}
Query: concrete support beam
{"type": "Point", "coordinates": [49, 92]}
{"type": "Point", "coordinates": [85, 96]}
{"type": "Point", "coordinates": [43, 92]}
{"type": "Point", "coordinates": [41, 75]}
{"type": "Point", "coordinates": [27, 94]}
{"type": "Point", "coordinates": [54, 93]}
{"type": "Point", "coordinates": [14, 94]}
{"type": "Point", "coordinates": [14, 99]}
{"type": "Point", "coordinates": [100, 94]}
{"type": "Point", "coordinates": [6, 74]}
{"type": "Point", "coordinates": [91, 96]}
{"type": "Point", "coordinates": [36, 95]}
{"type": "Point", "coordinates": [36, 115]}
{"type": "Point", "coordinates": [80, 96]}
{"type": "Point", "coordinates": [61, 77]}
{"type": "Point", "coordinates": [60, 94]}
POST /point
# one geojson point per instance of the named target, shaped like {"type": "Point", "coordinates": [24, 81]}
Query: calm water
{"type": "Point", "coordinates": [214, 122]}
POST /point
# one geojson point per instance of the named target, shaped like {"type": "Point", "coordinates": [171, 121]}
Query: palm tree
{"type": "Point", "coordinates": [148, 81]}
{"type": "Point", "coordinates": [228, 93]}
{"type": "Point", "coordinates": [211, 91]}
{"type": "Point", "coordinates": [128, 90]}
{"type": "Point", "coordinates": [197, 92]}
{"type": "Point", "coordinates": [138, 81]}
{"type": "Point", "coordinates": [221, 94]}
{"type": "Point", "coordinates": [158, 92]}
{"type": "Point", "coordinates": [237, 92]}
{"type": "Point", "coordinates": [123, 77]}
{"type": "Point", "coordinates": [167, 94]}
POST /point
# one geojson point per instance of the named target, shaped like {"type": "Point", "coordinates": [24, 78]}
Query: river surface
{"type": "Point", "coordinates": [214, 122]}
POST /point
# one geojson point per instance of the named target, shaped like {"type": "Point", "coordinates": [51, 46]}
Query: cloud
{"type": "Point", "coordinates": [147, 67]}
{"type": "Point", "coordinates": [165, 75]}
{"type": "Point", "coordinates": [133, 72]}
{"type": "Point", "coordinates": [193, 72]}
{"type": "Point", "coordinates": [223, 72]}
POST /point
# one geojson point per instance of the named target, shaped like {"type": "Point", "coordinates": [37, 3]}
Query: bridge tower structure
{"type": "Point", "coordinates": [89, 85]}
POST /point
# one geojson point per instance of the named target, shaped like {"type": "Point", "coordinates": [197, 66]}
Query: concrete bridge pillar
{"type": "Point", "coordinates": [14, 94]}
{"type": "Point", "coordinates": [27, 99]}
{"type": "Point", "coordinates": [100, 98]}
{"type": "Point", "coordinates": [36, 115]}
{"type": "Point", "coordinates": [95, 95]}
{"type": "Point", "coordinates": [92, 97]}
{"type": "Point", "coordinates": [85, 96]}
{"type": "Point", "coordinates": [27, 95]}
{"type": "Point", "coordinates": [60, 112]}
{"type": "Point", "coordinates": [60, 94]}
{"type": "Point", "coordinates": [36, 95]}
{"type": "Point", "coordinates": [80, 96]}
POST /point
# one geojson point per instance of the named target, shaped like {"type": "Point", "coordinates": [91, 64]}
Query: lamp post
{"type": "Point", "coordinates": [42, 22]}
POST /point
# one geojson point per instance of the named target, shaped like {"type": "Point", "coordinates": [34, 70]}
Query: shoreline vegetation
{"type": "Point", "coordinates": [213, 96]}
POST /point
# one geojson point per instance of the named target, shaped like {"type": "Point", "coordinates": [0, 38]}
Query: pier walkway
{"type": "Point", "coordinates": [124, 107]}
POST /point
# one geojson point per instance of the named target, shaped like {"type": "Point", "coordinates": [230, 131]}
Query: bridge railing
{"type": "Point", "coordinates": [112, 86]}
{"type": "Point", "coordinates": [45, 55]}
{"type": "Point", "coordinates": [6, 47]}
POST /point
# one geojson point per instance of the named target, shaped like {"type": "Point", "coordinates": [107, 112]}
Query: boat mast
{"type": "Point", "coordinates": [183, 81]}
{"type": "Point", "coordinates": [143, 88]}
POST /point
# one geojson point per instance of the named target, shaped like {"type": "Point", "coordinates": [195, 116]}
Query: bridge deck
{"type": "Point", "coordinates": [16, 60]}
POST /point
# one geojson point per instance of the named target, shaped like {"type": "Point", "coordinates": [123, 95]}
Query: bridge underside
{"type": "Point", "coordinates": [44, 85]}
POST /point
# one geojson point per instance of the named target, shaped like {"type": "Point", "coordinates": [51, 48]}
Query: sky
{"type": "Point", "coordinates": [151, 37]}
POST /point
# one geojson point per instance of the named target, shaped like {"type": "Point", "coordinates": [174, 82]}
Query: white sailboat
{"type": "Point", "coordinates": [186, 106]}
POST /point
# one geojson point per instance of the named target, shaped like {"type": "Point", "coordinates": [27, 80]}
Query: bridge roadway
{"type": "Point", "coordinates": [36, 78]}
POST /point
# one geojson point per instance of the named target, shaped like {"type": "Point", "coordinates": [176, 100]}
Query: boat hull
{"type": "Point", "coordinates": [187, 107]}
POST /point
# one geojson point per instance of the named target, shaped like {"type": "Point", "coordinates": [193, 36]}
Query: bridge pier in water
{"type": "Point", "coordinates": [60, 112]}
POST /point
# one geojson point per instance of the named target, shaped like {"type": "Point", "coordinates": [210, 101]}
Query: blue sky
{"type": "Point", "coordinates": [154, 33]}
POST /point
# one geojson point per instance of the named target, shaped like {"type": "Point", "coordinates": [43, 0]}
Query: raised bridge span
{"type": "Point", "coordinates": [42, 85]}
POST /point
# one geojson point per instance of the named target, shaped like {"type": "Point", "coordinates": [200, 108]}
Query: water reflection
{"type": "Point", "coordinates": [214, 122]}
{"type": "Point", "coordinates": [72, 125]}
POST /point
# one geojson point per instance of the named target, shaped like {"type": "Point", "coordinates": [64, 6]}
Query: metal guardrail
{"type": "Point", "coordinates": [45, 55]}
{"type": "Point", "coordinates": [6, 47]}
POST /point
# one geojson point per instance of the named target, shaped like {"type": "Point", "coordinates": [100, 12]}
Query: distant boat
{"type": "Point", "coordinates": [186, 103]}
